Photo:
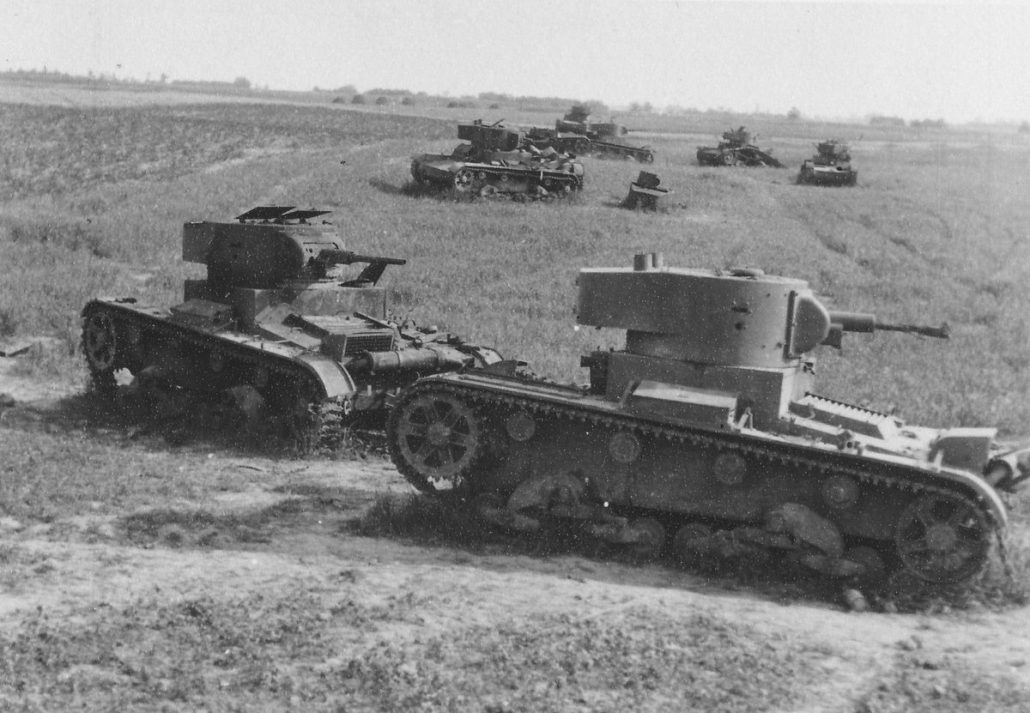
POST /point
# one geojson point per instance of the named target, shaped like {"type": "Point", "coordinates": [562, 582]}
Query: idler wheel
{"type": "Point", "coordinates": [942, 539]}
{"type": "Point", "coordinates": [437, 438]}
{"type": "Point", "coordinates": [100, 341]}
{"type": "Point", "coordinates": [100, 345]}
{"type": "Point", "coordinates": [464, 179]}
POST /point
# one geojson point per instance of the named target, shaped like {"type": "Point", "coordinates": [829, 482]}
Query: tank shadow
{"type": "Point", "coordinates": [293, 509]}
{"type": "Point", "coordinates": [389, 188]}
{"type": "Point", "coordinates": [191, 424]}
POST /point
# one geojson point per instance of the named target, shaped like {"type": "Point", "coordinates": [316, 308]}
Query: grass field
{"type": "Point", "coordinates": [92, 200]}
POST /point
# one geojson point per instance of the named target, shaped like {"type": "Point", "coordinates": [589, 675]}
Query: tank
{"type": "Point", "coordinates": [736, 149]}
{"type": "Point", "coordinates": [275, 328]}
{"type": "Point", "coordinates": [705, 434]}
{"type": "Point", "coordinates": [499, 161]}
{"type": "Point", "coordinates": [600, 137]}
{"type": "Point", "coordinates": [831, 165]}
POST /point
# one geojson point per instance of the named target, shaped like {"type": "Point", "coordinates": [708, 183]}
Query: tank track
{"type": "Point", "coordinates": [309, 427]}
{"type": "Point", "coordinates": [485, 402]}
{"type": "Point", "coordinates": [210, 344]}
{"type": "Point", "coordinates": [477, 177]}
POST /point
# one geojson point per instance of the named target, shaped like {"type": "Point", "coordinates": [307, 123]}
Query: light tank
{"type": "Point", "coordinates": [498, 160]}
{"type": "Point", "coordinates": [704, 434]}
{"type": "Point", "coordinates": [274, 328]}
{"type": "Point", "coordinates": [831, 165]}
{"type": "Point", "coordinates": [597, 138]}
{"type": "Point", "coordinates": [736, 149]}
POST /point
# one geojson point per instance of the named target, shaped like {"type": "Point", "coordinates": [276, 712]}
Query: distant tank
{"type": "Point", "coordinates": [736, 149]}
{"type": "Point", "coordinates": [498, 160]}
{"type": "Point", "coordinates": [703, 434]}
{"type": "Point", "coordinates": [600, 136]}
{"type": "Point", "coordinates": [274, 328]}
{"type": "Point", "coordinates": [831, 165]}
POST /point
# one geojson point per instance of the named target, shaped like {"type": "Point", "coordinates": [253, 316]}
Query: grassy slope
{"type": "Point", "coordinates": [94, 200]}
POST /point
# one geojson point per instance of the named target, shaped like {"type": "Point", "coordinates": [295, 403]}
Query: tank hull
{"type": "Point", "coordinates": [750, 156]}
{"type": "Point", "coordinates": [827, 175]}
{"type": "Point", "coordinates": [500, 176]}
{"type": "Point", "coordinates": [286, 361]}
{"type": "Point", "coordinates": [645, 462]}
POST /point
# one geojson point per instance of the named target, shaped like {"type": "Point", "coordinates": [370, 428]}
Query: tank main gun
{"type": "Point", "coordinates": [329, 257]}
{"type": "Point", "coordinates": [841, 322]}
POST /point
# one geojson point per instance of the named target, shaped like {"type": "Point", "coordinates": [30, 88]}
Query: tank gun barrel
{"type": "Point", "coordinates": [370, 275]}
{"type": "Point", "coordinates": [841, 322]}
{"type": "Point", "coordinates": [349, 257]}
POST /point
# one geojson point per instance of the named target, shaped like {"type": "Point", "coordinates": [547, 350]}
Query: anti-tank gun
{"type": "Point", "coordinates": [705, 433]}
{"type": "Point", "coordinates": [273, 328]}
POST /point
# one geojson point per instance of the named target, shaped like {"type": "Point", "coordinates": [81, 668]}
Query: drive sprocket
{"type": "Point", "coordinates": [436, 440]}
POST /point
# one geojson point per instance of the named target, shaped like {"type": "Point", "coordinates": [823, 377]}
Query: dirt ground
{"type": "Point", "coordinates": [287, 537]}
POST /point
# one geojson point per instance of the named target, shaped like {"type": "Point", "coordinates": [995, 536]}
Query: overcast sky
{"type": "Point", "coordinates": [836, 59]}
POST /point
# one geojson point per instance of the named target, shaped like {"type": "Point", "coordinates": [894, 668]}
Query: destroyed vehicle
{"type": "Point", "coordinates": [499, 161]}
{"type": "Point", "coordinates": [275, 329]}
{"type": "Point", "coordinates": [736, 149]}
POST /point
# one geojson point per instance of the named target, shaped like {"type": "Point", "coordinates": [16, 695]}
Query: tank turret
{"type": "Point", "coordinates": [706, 426]}
{"type": "Point", "coordinates": [737, 331]}
{"type": "Point", "coordinates": [274, 324]}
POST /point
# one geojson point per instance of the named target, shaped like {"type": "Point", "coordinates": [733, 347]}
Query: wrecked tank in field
{"type": "Point", "coordinates": [704, 435]}
{"type": "Point", "coordinates": [498, 160]}
{"type": "Point", "coordinates": [275, 329]}
{"type": "Point", "coordinates": [736, 149]}
{"type": "Point", "coordinates": [831, 165]}
{"type": "Point", "coordinates": [598, 138]}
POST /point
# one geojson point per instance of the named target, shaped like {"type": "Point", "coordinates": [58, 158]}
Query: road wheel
{"type": "Point", "coordinates": [942, 538]}
{"type": "Point", "coordinates": [434, 439]}
{"type": "Point", "coordinates": [685, 543]}
{"type": "Point", "coordinates": [875, 569]}
{"type": "Point", "coordinates": [651, 536]}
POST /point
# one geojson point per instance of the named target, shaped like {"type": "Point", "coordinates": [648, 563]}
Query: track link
{"type": "Point", "coordinates": [488, 404]}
